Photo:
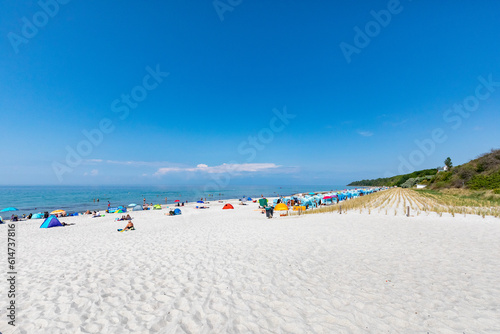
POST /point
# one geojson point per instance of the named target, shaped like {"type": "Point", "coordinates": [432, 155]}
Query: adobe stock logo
{"type": "Point", "coordinates": [30, 28]}
{"type": "Point", "coordinates": [221, 7]}
{"type": "Point", "coordinates": [121, 107]}
{"type": "Point", "coordinates": [372, 29]}
{"type": "Point", "coordinates": [454, 117]}
{"type": "Point", "coordinates": [251, 146]}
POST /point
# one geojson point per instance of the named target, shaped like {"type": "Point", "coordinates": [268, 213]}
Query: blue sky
{"type": "Point", "coordinates": [254, 92]}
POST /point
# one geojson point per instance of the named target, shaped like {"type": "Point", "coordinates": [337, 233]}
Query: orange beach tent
{"type": "Point", "coordinates": [281, 207]}
{"type": "Point", "coordinates": [227, 206]}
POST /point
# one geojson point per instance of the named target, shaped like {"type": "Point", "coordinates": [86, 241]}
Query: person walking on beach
{"type": "Point", "coordinates": [109, 205]}
{"type": "Point", "coordinates": [165, 200]}
{"type": "Point", "coordinates": [144, 201]}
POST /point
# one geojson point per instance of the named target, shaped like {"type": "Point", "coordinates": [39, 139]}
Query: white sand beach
{"type": "Point", "coordinates": [234, 271]}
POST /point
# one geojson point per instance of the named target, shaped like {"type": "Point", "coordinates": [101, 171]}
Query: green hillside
{"type": "Point", "coordinates": [397, 180]}
{"type": "Point", "coordinates": [480, 173]}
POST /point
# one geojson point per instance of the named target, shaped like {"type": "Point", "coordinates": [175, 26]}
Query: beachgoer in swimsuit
{"type": "Point", "coordinates": [129, 226]}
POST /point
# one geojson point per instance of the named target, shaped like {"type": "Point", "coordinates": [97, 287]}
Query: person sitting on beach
{"type": "Point", "coordinates": [130, 226]}
{"type": "Point", "coordinates": [128, 217]}
{"type": "Point", "coordinates": [96, 215]}
{"type": "Point", "coordinates": [87, 212]}
{"type": "Point", "coordinates": [120, 219]}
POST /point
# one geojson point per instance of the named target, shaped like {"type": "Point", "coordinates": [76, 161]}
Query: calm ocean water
{"type": "Point", "coordinates": [33, 199]}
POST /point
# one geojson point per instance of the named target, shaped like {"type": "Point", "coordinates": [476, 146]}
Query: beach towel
{"type": "Point", "coordinates": [122, 230]}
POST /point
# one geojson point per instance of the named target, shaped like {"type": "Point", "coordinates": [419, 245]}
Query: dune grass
{"type": "Point", "coordinates": [399, 200]}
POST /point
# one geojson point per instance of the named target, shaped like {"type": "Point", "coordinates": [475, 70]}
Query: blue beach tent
{"type": "Point", "coordinates": [52, 221]}
{"type": "Point", "coordinates": [177, 212]}
{"type": "Point", "coordinates": [37, 216]}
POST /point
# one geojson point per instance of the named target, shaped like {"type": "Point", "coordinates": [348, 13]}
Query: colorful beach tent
{"type": "Point", "coordinates": [177, 212]}
{"type": "Point", "coordinates": [281, 207]}
{"type": "Point", "coordinates": [227, 206]}
{"type": "Point", "coordinates": [137, 208]}
{"type": "Point", "coordinates": [56, 212]}
{"type": "Point", "coordinates": [200, 202]}
{"type": "Point", "coordinates": [37, 216]}
{"type": "Point", "coordinates": [157, 207]}
{"type": "Point", "coordinates": [52, 221]}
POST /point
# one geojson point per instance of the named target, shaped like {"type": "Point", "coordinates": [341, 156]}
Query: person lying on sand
{"type": "Point", "coordinates": [64, 224]}
{"type": "Point", "coordinates": [130, 226]}
{"type": "Point", "coordinates": [96, 215]}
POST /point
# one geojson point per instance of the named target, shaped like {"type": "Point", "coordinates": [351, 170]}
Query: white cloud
{"type": "Point", "coordinates": [92, 161]}
{"type": "Point", "coordinates": [224, 168]}
{"type": "Point", "coordinates": [365, 133]}
{"type": "Point", "coordinates": [93, 172]}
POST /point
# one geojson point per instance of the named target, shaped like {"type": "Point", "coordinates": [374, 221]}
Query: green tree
{"type": "Point", "coordinates": [448, 163]}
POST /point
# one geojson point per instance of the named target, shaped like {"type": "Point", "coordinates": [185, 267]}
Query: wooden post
{"type": "Point", "coordinates": [340, 209]}
{"type": "Point", "coordinates": [408, 211]}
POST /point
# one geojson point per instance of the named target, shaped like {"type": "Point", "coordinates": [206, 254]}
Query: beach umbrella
{"type": "Point", "coordinates": [311, 193]}
{"type": "Point", "coordinates": [56, 212]}
{"type": "Point", "coordinates": [131, 205]}
{"type": "Point", "coordinates": [327, 197]}
{"type": "Point", "coordinates": [281, 207]}
{"type": "Point", "coordinates": [176, 201]}
{"type": "Point", "coordinates": [9, 209]}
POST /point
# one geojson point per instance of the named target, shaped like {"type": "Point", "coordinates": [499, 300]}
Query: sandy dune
{"type": "Point", "coordinates": [234, 271]}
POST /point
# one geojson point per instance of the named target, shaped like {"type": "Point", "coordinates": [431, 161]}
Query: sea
{"type": "Point", "coordinates": [34, 199]}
